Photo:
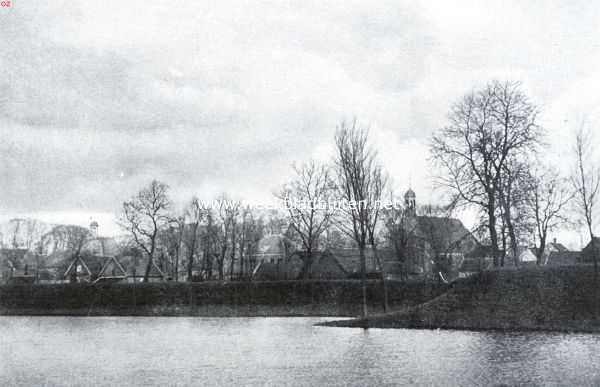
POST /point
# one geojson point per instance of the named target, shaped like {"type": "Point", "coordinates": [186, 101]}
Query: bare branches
{"type": "Point", "coordinates": [307, 198]}
{"type": "Point", "coordinates": [487, 129]}
{"type": "Point", "coordinates": [586, 183]}
{"type": "Point", "coordinates": [143, 216]}
{"type": "Point", "coordinates": [360, 183]}
{"type": "Point", "coordinates": [547, 200]}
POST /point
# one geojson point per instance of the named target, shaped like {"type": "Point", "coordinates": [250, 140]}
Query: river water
{"type": "Point", "coordinates": [142, 351]}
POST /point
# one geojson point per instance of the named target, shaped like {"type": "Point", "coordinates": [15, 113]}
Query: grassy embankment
{"type": "Point", "coordinates": [546, 298]}
{"type": "Point", "coordinates": [282, 298]}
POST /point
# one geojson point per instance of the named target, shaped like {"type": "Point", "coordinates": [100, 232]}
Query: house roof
{"type": "Point", "coordinates": [120, 269]}
{"type": "Point", "coordinates": [558, 246]}
{"type": "Point", "coordinates": [318, 257]}
{"type": "Point", "coordinates": [564, 258]}
{"type": "Point", "coordinates": [93, 264]}
{"type": "Point", "coordinates": [274, 244]}
{"type": "Point", "coordinates": [266, 271]}
{"type": "Point", "coordinates": [447, 231]}
{"type": "Point", "coordinates": [596, 243]}
{"type": "Point", "coordinates": [349, 259]}
{"type": "Point", "coordinates": [136, 266]}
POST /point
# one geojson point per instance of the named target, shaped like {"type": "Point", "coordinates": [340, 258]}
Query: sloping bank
{"type": "Point", "coordinates": [216, 299]}
{"type": "Point", "coordinates": [554, 299]}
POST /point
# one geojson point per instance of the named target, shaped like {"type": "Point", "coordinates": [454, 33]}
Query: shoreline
{"type": "Point", "coordinates": [541, 299]}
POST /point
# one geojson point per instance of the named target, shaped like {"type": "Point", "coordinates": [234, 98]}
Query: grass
{"type": "Point", "coordinates": [533, 298]}
{"type": "Point", "coordinates": [277, 298]}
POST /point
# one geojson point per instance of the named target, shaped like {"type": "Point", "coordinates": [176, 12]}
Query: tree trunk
{"type": "Point", "coordinates": [307, 265]}
{"type": "Point", "coordinates": [363, 280]}
{"type": "Point", "coordinates": [541, 250]}
{"type": "Point", "coordinates": [492, 229]}
{"type": "Point", "coordinates": [176, 276]}
{"type": "Point", "coordinates": [190, 265]}
{"type": "Point", "coordinates": [148, 268]}
{"type": "Point", "coordinates": [594, 253]}
{"type": "Point", "coordinates": [383, 281]}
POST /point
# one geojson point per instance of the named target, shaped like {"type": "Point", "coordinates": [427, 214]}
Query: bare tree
{"type": "Point", "coordinates": [143, 217]}
{"type": "Point", "coordinates": [586, 184]}
{"type": "Point", "coordinates": [195, 214]}
{"type": "Point", "coordinates": [306, 199]}
{"type": "Point", "coordinates": [549, 195]}
{"type": "Point", "coordinates": [357, 173]}
{"type": "Point", "coordinates": [487, 128]}
{"type": "Point", "coordinates": [178, 232]}
{"type": "Point", "coordinates": [209, 237]}
{"type": "Point", "coordinates": [224, 235]}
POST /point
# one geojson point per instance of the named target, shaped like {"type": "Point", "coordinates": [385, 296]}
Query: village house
{"type": "Point", "coordinates": [591, 249]}
{"type": "Point", "coordinates": [564, 258]}
{"type": "Point", "coordinates": [94, 268]}
{"type": "Point", "coordinates": [331, 263]}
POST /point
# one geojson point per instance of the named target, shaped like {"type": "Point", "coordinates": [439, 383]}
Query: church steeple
{"type": "Point", "coordinates": [410, 202]}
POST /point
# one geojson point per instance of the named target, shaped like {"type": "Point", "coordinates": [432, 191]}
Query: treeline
{"type": "Point", "coordinates": [221, 240]}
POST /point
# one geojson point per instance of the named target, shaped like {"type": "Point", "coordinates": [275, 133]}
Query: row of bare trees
{"type": "Point", "coordinates": [227, 237]}
{"type": "Point", "coordinates": [200, 241]}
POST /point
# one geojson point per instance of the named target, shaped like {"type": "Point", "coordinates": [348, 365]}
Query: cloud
{"type": "Point", "coordinates": [224, 96]}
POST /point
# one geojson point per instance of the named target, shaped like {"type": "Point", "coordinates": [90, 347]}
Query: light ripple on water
{"type": "Point", "coordinates": [140, 351]}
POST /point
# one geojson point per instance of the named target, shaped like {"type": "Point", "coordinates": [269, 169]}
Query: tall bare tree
{"type": "Point", "coordinates": [548, 197]}
{"type": "Point", "coordinates": [307, 201]}
{"type": "Point", "coordinates": [487, 128]}
{"type": "Point", "coordinates": [195, 214]}
{"type": "Point", "coordinates": [250, 232]}
{"type": "Point", "coordinates": [357, 173]}
{"type": "Point", "coordinates": [144, 215]}
{"type": "Point", "coordinates": [586, 184]}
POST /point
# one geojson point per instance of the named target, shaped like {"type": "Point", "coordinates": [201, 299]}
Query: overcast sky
{"type": "Point", "coordinates": [99, 97]}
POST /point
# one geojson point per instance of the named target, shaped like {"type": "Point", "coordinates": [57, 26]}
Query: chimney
{"type": "Point", "coordinates": [554, 240]}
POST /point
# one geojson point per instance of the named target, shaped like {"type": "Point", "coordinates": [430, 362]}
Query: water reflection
{"type": "Point", "coordinates": [62, 351]}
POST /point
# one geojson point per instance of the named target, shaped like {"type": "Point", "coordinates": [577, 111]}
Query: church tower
{"type": "Point", "coordinates": [410, 203]}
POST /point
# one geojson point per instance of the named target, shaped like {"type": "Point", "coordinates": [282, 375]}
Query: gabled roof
{"type": "Point", "coordinates": [120, 270]}
{"type": "Point", "coordinates": [558, 247]}
{"type": "Point", "coordinates": [92, 264]}
{"type": "Point", "coordinates": [447, 231]}
{"type": "Point", "coordinates": [564, 258]}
